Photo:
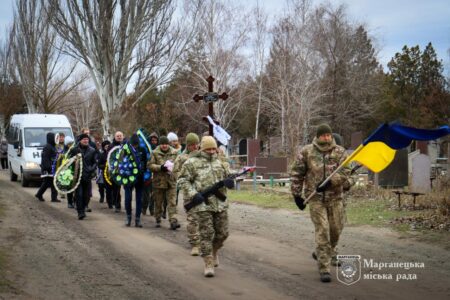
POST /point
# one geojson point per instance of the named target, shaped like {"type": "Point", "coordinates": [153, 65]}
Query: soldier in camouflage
{"type": "Point", "coordinates": [164, 182]}
{"type": "Point", "coordinates": [314, 163]}
{"type": "Point", "coordinates": [199, 172]}
{"type": "Point", "coordinates": [192, 141]}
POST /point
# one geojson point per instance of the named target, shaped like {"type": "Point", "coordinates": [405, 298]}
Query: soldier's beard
{"type": "Point", "coordinates": [323, 143]}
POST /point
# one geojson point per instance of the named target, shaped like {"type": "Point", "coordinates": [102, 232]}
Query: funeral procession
{"type": "Point", "coordinates": [225, 149]}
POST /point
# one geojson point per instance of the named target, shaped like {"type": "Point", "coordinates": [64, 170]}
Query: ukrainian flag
{"type": "Point", "coordinates": [378, 150]}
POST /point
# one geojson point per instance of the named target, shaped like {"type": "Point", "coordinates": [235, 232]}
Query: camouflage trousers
{"type": "Point", "coordinates": [328, 218]}
{"type": "Point", "coordinates": [159, 196]}
{"type": "Point", "coordinates": [192, 229]}
{"type": "Point", "coordinates": [213, 228]}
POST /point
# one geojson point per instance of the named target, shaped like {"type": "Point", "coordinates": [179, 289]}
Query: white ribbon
{"type": "Point", "coordinates": [219, 133]}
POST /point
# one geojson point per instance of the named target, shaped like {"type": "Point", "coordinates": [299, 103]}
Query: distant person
{"type": "Point", "coordinates": [104, 188]}
{"type": "Point", "coordinates": [312, 165]}
{"type": "Point", "coordinates": [48, 168]}
{"type": "Point", "coordinates": [141, 161]}
{"type": "Point", "coordinates": [4, 154]}
{"type": "Point", "coordinates": [116, 197]}
{"type": "Point", "coordinates": [147, 197]}
{"type": "Point", "coordinates": [164, 182]}
{"type": "Point", "coordinates": [89, 169]}
{"type": "Point", "coordinates": [192, 141]}
{"type": "Point", "coordinates": [174, 143]}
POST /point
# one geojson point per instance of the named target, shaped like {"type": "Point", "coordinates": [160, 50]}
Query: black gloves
{"type": "Point", "coordinates": [198, 198]}
{"type": "Point", "coordinates": [228, 183]}
{"type": "Point", "coordinates": [300, 202]}
{"type": "Point", "coordinates": [164, 168]}
{"type": "Point", "coordinates": [324, 188]}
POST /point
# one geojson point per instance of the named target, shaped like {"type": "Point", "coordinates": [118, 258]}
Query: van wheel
{"type": "Point", "coordinates": [25, 182]}
{"type": "Point", "coordinates": [12, 176]}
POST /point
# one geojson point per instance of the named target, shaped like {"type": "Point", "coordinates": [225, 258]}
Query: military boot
{"type": "Point", "coordinates": [158, 224]}
{"type": "Point", "coordinates": [325, 277]}
{"type": "Point", "coordinates": [209, 266]}
{"type": "Point", "coordinates": [216, 257]}
{"type": "Point", "coordinates": [195, 251]}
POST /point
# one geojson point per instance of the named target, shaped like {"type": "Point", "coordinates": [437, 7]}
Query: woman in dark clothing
{"type": "Point", "coordinates": [103, 185]}
{"type": "Point", "coordinates": [48, 165]}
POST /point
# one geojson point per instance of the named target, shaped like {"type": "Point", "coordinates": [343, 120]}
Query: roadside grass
{"type": "Point", "coordinates": [263, 199]}
{"type": "Point", "coordinates": [374, 207]}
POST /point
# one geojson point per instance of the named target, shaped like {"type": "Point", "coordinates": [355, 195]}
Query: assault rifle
{"type": "Point", "coordinates": [228, 182]}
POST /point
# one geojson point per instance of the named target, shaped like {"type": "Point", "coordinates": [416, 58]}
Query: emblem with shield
{"type": "Point", "coordinates": [350, 270]}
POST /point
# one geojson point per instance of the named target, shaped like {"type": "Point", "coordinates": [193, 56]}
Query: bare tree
{"type": "Point", "coordinates": [41, 69]}
{"type": "Point", "coordinates": [293, 77]}
{"type": "Point", "coordinates": [259, 45]}
{"type": "Point", "coordinates": [121, 43]}
{"type": "Point", "coordinates": [83, 110]}
{"type": "Point", "coordinates": [218, 51]}
{"type": "Point", "coordinates": [350, 79]}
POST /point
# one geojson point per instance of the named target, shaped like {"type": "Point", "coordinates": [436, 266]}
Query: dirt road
{"type": "Point", "coordinates": [52, 255]}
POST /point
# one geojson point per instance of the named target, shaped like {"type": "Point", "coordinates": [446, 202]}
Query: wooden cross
{"type": "Point", "coordinates": [210, 97]}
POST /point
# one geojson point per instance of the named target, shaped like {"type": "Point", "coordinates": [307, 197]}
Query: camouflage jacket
{"type": "Point", "coordinates": [181, 159]}
{"type": "Point", "coordinates": [198, 173]}
{"type": "Point", "coordinates": [313, 163]}
{"type": "Point", "coordinates": [162, 180]}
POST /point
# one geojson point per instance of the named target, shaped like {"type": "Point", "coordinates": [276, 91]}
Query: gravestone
{"type": "Point", "coordinates": [253, 150]}
{"type": "Point", "coordinates": [422, 146]}
{"type": "Point", "coordinates": [396, 174]}
{"type": "Point", "coordinates": [276, 167]}
{"type": "Point", "coordinates": [420, 173]}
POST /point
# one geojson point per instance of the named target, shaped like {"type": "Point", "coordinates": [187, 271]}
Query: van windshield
{"type": "Point", "coordinates": [37, 137]}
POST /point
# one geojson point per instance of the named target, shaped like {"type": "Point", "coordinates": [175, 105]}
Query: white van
{"type": "Point", "coordinates": [27, 136]}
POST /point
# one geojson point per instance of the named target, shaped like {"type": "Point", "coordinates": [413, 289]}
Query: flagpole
{"type": "Point", "coordinates": [346, 161]}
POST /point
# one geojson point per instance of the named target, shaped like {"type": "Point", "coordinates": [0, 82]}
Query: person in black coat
{"type": "Point", "coordinates": [48, 166]}
{"type": "Point", "coordinates": [116, 198]}
{"type": "Point", "coordinates": [141, 160]}
{"type": "Point", "coordinates": [103, 185]}
{"type": "Point", "coordinates": [89, 169]}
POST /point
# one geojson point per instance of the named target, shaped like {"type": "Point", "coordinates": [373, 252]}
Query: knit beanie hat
{"type": "Point", "coordinates": [192, 138]}
{"type": "Point", "coordinates": [163, 140]}
{"type": "Point", "coordinates": [322, 129]}
{"type": "Point", "coordinates": [68, 140]}
{"type": "Point", "coordinates": [83, 136]}
{"type": "Point", "coordinates": [172, 137]}
{"type": "Point", "coordinates": [208, 142]}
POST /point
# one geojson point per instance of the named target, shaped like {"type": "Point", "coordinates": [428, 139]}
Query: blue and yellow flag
{"type": "Point", "coordinates": [378, 150]}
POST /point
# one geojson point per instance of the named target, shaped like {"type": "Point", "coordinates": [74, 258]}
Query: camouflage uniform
{"type": "Point", "coordinates": [199, 172]}
{"type": "Point", "coordinates": [313, 163]}
{"type": "Point", "coordinates": [192, 222]}
{"type": "Point", "coordinates": [164, 183]}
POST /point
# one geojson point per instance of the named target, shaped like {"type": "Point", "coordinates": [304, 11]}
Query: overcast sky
{"type": "Point", "coordinates": [394, 23]}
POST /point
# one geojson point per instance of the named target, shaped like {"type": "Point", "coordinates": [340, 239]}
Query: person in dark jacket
{"type": "Point", "coordinates": [116, 198]}
{"type": "Point", "coordinates": [141, 160]}
{"type": "Point", "coordinates": [147, 197]}
{"type": "Point", "coordinates": [89, 168]}
{"type": "Point", "coordinates": [103, 186]}
{"type": "Point", "coordinates": [48, 168]}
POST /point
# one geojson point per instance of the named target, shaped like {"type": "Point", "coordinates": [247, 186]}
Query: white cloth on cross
{"type": "Point", "coordinates": [219, 133]}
